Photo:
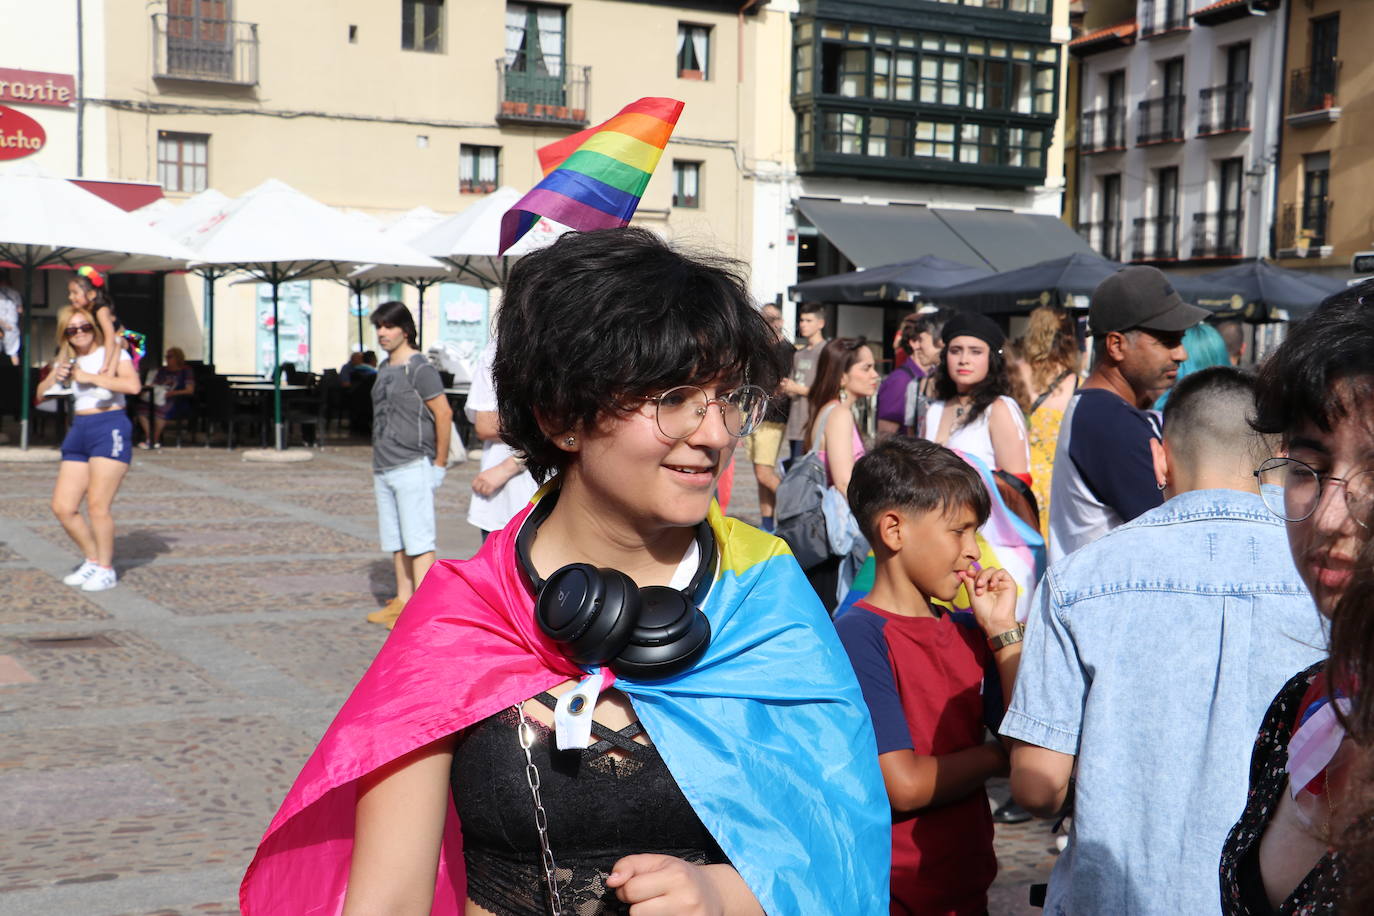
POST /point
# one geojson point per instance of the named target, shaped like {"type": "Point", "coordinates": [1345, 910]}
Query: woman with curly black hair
{"type": "Point", "coordinates": [611, 697]}
{"type": "Point", "coordinates": [974, 411]}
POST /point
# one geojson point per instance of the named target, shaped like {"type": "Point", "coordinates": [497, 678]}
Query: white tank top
{"type": "Point", "coordinates": [93, 397]}
{"type": "Point", "coordinates": [974, 437]}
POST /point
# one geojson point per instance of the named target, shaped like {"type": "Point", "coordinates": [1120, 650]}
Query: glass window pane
{"type": "Point", "coordinates": [1046, 55]}
{"type": "Point", "coordinates": [884, 37]}
{"type": "Point", "coordinates": [997, 49]}
{"type": "Point", "coordinates": [975, 46]}
{"type": "Point", "coordinates": [906, 39]}
{"type": "Point", "coordinates": [832, 30]}
{"type": "Point", "coordinates": [858, 33]}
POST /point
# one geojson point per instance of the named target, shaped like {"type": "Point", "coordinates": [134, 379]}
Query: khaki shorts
{"type": "Point", "coordinates": [762, 446]}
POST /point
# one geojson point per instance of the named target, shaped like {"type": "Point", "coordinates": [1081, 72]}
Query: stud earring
{"type": "Point", "coordinates": [570, 441]}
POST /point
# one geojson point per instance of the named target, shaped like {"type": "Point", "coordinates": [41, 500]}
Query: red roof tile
{"type": "Point", "coordinates": [1124, 31]}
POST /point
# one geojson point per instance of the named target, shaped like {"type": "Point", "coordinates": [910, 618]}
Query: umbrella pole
{"type": "Point", "coordinates": [209, 279]}
{"type": "Point", "coordinates": [358, 294]}
{"type": "Point", "coordinates": [420, 329]}
{"type": "Point", "coordinates": [276, 373]}
{"type": "Point", "coordinates": [25, 359]}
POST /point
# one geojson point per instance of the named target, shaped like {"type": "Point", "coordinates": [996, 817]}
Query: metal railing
{"type": "Point", "coordinates": [1160, 16]}
{"type": "Point", "coordinates": [1220, 234]}
{"type": "Point", "coordinates": [1104, 237]}
{"type": "Point", "coordinates": [1101, 130]}
{"type": "Point", "coordinates": [1302, 227]}
{"type": "Point", "coordinates": [1313, 88]}
{"type": "Point", "coordinates": [1155, 238]}
{"type": "Point", "coordinates": [531, 97]}
{"type": "Point", "coordinates": [1161, 120]}
{"type": "Point", "coordinates": [1223, 108]}
{"type": "Point", "coordinates": [207, 50]}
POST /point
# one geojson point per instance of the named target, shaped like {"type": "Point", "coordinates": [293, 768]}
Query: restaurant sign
{"type": "Point", "coordinates": [37, 87]}
{"type": "Point", "coordinates": [20, 135]}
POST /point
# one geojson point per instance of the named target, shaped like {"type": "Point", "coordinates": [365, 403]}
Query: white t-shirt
{"type": "Point", "coordinates": [490, 513]}
{"type": "Point", "coordinates": [93, 397]}
{"type": "Point", "coordinates": [974, 438]}
{"type": "Point", "coordinates": [9, 314]}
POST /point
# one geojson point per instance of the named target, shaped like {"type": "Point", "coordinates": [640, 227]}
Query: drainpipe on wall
{"type": "Point", "coordinates": [1278, 133]}
{"type": "Point", "coordinates": [80, 90]}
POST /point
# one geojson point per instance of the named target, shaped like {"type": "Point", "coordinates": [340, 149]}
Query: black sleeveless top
{"type": "Point", "coordinates": [600, 807]}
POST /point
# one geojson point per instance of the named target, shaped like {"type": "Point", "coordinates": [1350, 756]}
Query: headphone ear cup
{"type": "Point", "coordinates": [670, 636]}
{"type": "Point", "coordinates": [589, 612]}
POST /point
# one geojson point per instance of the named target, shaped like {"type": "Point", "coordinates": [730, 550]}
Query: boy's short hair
{"type": "Point", "coordinates": [913, 475]}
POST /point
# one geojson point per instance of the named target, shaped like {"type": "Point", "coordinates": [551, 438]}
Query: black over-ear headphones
{"type": "Point", "coordinates": [600, 617]}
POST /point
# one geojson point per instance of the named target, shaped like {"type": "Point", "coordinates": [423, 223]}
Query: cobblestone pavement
{"type": "Point", "coordinates": [148, 733]}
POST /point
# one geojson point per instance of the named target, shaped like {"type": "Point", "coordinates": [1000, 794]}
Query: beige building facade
{"type": "Point", "coordinates": [384, 107]}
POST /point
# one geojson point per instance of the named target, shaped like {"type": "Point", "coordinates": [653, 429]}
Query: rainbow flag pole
{"type": "Point", "coordinates": [595, 178]}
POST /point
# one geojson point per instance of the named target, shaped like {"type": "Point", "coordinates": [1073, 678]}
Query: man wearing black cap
{"type": "Point", "coordinates": [1104, 468]}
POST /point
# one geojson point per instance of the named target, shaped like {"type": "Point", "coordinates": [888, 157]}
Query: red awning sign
{"type": "Point", "coordinates": [20, 135]}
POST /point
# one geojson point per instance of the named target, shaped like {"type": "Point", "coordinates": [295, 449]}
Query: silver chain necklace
{"type": "Point", "coordinates": [541, 819]}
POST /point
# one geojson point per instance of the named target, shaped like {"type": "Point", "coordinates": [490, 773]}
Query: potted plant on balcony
{"type": "Point", "coordinates": [691, 75]}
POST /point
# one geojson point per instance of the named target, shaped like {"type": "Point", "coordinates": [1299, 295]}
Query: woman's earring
{"type": "Point", "coordinates": [844, 395]}
{"type": "Point", "coordinates": [570, 441]}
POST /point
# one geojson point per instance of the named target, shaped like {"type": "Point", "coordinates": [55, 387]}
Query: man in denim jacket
{"type": "Point", "coordinates": [1150, 658]}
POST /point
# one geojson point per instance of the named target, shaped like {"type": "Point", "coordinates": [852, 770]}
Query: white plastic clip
{"type": "Point", "coordinates": [572, 717]}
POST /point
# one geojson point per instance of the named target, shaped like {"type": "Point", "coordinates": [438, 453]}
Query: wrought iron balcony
{"type": "Point", "coordinates": [1219, 235]}
{"type": "Point", "coordinates": [1313, 89]}
{"type": "Point", "coordinates": [1160, 16]}
{"type": "Point", "coordinates": [1102, 130]}
{"type": "Point", "coordinates": [1104, 237]}
{"type": "Point", "coordinates": [205, 49]}
{"type": "Point", "coordinates": [1155, 238]}
{"type": "Point", "coordinates": [528, 96]}
{"type": "Point", "coordinates": [1222, 109]}
{"type": "Point", "coordinates": [1161, 120]}
{"type": "Point", "coordinates": [1303, 228]}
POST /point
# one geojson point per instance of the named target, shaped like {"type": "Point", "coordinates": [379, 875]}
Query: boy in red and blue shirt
{"type": "Point", "coordinates": [932, 678]}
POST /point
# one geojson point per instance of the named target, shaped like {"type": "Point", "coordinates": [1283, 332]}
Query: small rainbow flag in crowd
{"type": "Point", "coordinates": [595, 178]}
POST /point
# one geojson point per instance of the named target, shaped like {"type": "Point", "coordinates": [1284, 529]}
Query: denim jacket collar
{"type": "Point", "coordinates": [1197, 505]}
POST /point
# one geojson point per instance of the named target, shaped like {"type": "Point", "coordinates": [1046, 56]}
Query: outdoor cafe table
{"type": "Point", "coordinates": [258, 391]}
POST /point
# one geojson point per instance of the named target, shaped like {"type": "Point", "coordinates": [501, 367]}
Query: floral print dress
{"type": "Point", "coordinates": [1242, 894]}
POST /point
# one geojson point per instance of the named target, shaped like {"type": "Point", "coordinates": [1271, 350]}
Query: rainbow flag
{"type": "Point", "coordinates": [768, 735]}
{"type": "Point", "coordinates": [595, 178]}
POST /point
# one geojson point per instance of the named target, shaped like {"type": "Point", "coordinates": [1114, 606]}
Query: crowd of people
{"type": "Point", "coordinates": [1121, 570]}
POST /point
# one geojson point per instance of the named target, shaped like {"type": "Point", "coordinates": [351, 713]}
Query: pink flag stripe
{"type": "Point", "coordinates": [563, 209]}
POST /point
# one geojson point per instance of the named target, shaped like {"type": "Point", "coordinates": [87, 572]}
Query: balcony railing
{"type": "Point", "coordinates": [1155, 238]}
{"type": "Point", "coordinates": [1161, 120]}
{"type": "Point", "coordinates": [1102, 130]}
{"type": "Point", "coordinates": [1302, 232]}
{"type": "Point", "coordinates": [1222, 109]}
{"type": "Point", "coordinates": [1160, 16]}
{"type": "Point", "coordinates": [205, 50]}
{"type": "Point", "coordinates": [1219, 235]}
{"type": "Point", "coordinates": [1313, 88]}
{"type": "Point", "coordinates": [1105, 238]}
{"type": "Point", "coordinates": [528, 97]}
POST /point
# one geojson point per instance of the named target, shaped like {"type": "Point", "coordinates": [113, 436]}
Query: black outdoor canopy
{"type": "Point", "coordinates": [908, 280]}
{"type": "Point", "coordinates": [1053, 282]}
{"type": "Point", "coordinates": [1263, 287]}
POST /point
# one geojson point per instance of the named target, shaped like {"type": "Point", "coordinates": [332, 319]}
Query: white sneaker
{"type": "Point", "coordinates": [100, 580]}
{"type": "Point", "coordinates": [79, 575]}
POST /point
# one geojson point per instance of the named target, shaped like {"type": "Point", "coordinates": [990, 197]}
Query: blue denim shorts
{"type": "Point", "coordinates": [108, 434]}
{"type": "Point", "coordinates": [405, 507]}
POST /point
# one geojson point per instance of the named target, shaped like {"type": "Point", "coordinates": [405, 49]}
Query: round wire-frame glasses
{"type": "Point", "coordinates": [1292, 490]}
{"type": "Point", "coordinates": [680, 411]}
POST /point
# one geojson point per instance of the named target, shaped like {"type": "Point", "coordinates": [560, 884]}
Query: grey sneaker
{"type": "Point", "coordinates": [79, 575]}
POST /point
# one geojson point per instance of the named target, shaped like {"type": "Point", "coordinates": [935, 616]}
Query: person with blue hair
{"type": "Point", "coordinates": [1206, 348]}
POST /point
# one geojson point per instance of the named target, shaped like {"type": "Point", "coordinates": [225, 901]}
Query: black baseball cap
{"type": "Point", "coordinates": [1140, 297]}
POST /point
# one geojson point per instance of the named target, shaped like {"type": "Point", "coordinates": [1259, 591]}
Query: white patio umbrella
{"type": "Point", "coordinates": [406, 229]}
{"type": "Point", "coordinates": [471, 241]}
{"type": "Point", "coordinates": [276, 234]}
{"type": "Point", "coordinates": [180, 222]}
{"type": "Point", "coordinates": [48, 221]}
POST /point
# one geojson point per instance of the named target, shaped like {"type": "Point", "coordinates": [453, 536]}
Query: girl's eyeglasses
{"type": "Point", "coordinates": [1291, 490]}
{"type": "Point", "coordinates": [680, 411]}
{"type": "Point", "coordinates": [74, 329]}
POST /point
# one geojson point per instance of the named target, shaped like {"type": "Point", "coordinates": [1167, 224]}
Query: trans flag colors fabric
{"type": "Point", "coordinates": [768, 735]}
{"type": "Point", "coordinates": [595, 178]}
{"type": "Point", "coordinates": [1004, 541]}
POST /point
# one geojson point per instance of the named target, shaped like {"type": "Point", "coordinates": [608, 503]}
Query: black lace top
{"type": "Point", "coordinates": [600, 807]}
{"type": "Point", "coordinates": [1242, 888]}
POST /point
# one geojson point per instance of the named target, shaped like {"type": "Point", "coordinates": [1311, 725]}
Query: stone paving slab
{"type": "Point", "coordinates": [250, 588]}
{"type": "Point", "coordinates": [34, 597]}
{"type": "Point", "coordinates": [340, 652]}
{"type": "Point", "coordinates": [187, 540]}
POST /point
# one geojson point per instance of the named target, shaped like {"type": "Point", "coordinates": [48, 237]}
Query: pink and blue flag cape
{"type": "Point", "coordinates": [1005, 541]}
{"type": "Point", "coordinates": [595, 178]}
{"type": "Point", "coordinates": [768, 735]}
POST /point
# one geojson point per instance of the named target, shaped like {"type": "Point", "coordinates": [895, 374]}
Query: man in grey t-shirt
{"type": "Point", "coordinates": [411, 420]}
{"type": "Point", "coordinates": [810, 328]}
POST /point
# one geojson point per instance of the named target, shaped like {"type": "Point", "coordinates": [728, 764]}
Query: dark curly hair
{"type": "Point", "coordinates": [599, 319]}
{"type": "Point", "coordinates": [996, 384]}
{"type": "Point", "coordinates": [1333, 344]}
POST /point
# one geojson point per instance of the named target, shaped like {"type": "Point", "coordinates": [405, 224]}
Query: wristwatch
{"type": "Point", "coordinates": [1010, 637]}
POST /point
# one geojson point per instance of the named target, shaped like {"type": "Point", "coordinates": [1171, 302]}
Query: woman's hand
{"type": "Point", "coordinates": [992, 598]}
{"type": "Point", "coordinates": [657, 885]}
{"type": "Point", "coordinates": [62, 371]}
